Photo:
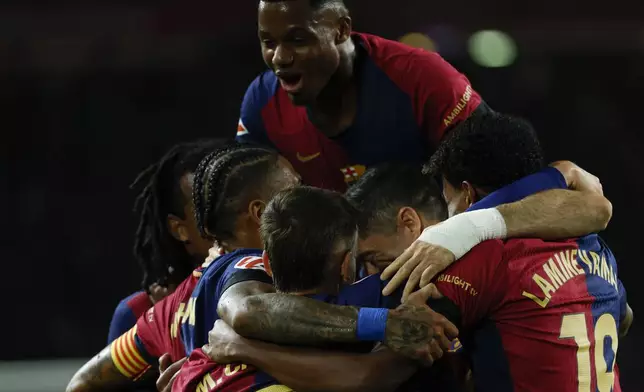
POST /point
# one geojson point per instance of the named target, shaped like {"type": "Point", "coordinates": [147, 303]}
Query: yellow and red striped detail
{"type": "Point", "coordinates": [126, 356]}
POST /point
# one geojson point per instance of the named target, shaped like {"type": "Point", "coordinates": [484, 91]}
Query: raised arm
{"type": "Point", "coordinates": [414, 331]}
{"type": "Point", "coordinates": [309, 369]}
{"type": "Point", "coordinates": [552, 214]}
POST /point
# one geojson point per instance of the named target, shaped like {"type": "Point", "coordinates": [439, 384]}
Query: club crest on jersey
{"type": "Point", "coordinates": [456, 346]}
{"type": "Point", "coordinates": [353, 173]}
{"type": "Point", "coordinates": [241, 128]}
{"type": "Point", "coordinates": [251, 262]}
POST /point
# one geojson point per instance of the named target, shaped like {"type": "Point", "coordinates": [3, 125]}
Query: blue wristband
{"type": "Point", "coordinates": [372, 323]}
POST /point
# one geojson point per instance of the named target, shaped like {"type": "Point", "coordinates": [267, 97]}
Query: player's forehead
{"type": "Point", "coordinates": [284, 17]}
{"type": "Point", "coordinates": [375, 245]}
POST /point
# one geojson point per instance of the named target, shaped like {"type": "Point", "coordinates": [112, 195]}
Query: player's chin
{"type": "Point", "coordinates": [300, 98]}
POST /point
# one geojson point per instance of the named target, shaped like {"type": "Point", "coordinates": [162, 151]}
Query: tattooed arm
{"type": "Point", "coordinates": [254, 312]}
{"type": "Point", "coordinates": [311, 370]}
{"type": "Point", "coordinates": [98, 374]}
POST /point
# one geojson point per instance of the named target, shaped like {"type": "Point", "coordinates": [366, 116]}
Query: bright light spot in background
{"type": "Point", "coordinates": [418, 40]}
{"type": "Point", "coordinates": [492, 48]}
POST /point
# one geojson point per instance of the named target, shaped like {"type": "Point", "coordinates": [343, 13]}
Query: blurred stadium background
{"type": "Point", "coordinates": [93, 91]}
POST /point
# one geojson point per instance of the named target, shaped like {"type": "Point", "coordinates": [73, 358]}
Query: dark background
{"type": "Point", "coordinates": [91, 92]}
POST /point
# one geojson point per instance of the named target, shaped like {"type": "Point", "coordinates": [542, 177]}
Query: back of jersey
{"type": "Point", "coordinates": [557, 320]}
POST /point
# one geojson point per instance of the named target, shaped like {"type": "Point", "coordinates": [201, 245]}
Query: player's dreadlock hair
{"type": "Point", "coordinates": [490, 150]}
{"type": "Point", "coordinates": [225, 182]}
{"type": "Point", "coordinates": [162, 257]}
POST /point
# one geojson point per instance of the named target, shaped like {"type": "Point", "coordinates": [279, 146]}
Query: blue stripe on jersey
{"type": "Point", "coordinates": [206, 296]}
{"type": "Point", "coordinates": [492, 369]}
{"type": "Point", "coordinates": [603, 285]}
{"type": "Point", "coordinates": [150, 359]}
{"type": "Point", "coordinates": [548, 178]}
{"type": "Point", "coordinates": [382, 102]}
{"type": "Point", "coordinates": [258, 94]}
{"type": "Point", "coordinates": [122, 320]}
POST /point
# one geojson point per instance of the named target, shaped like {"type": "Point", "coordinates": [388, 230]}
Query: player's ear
{"type": "Point", "coordinates": [469, 194]}
{"type": "Point", "coordinates": [256, 209]}
{"type": "Point", "coordinates": [409, 222]}
{"type": "Point", "coordinates": [177, 228]}
{"type": "Point", "coordinates": [344, 30]}
{"type": "Point", "coordinates": [267, 264]}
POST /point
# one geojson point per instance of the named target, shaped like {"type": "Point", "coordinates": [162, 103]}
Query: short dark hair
{"type": "Point", "coordinates": [301, 227]}
{"type": "Point", "coordinates": [489, 150]}
{"type": "Point", "coordinates": [315, 4]}
{"type": "Point", "coordinates": [225, 182]}
{"type": "Point", "coordinates": [383, 190]}
{"type": "Point", "coordinates": [162, 257]}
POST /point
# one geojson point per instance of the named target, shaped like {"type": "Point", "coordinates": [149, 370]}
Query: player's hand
{"type": "Point", "coordinates": [577, 178]}
{"type": "Point", "coordinates": [419, 264]}
{"type": "Point", "coordinates": [214, 252]}
{"type": "Point", "coordinates": [423, 295]}
{"type": "Point", "coordinates": [168, 372]}
{"type": "Point", "coordinates": [158, 292]}
{"type": "Point", "coordinates": [417, 332]}
{"type": "Point", "coordinates": [223, 343]}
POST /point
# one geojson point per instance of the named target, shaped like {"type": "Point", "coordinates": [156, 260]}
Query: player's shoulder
{"type": "Point", "coordinates": [397, 59]}
{"type": "Point", "coordinates": [137, 303]}
{"type": "Point", "coordinates": [260, 91]}
{"type": "Point", "coordinates": [245, 259]}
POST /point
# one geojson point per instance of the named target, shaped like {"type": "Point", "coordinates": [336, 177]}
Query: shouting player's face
{"type": "Point", "coordinates": [300, 45]}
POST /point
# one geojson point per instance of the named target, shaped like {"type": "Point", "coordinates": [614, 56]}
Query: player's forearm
{"type": "Point", "coordinates": [99, 374]}
{"type": "Point", "coordinates": [557, 214]}
{"type": "Point", "coordinates": [290, 319]}
{"type": "Point", "coordinates": [316, 370]}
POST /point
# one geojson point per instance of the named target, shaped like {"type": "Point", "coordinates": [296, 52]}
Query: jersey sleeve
{"type": "Point", "coordinates": [245, 269]}
{"type": "Point", "coordinates": [442, 97]}
{"type": "Point", "coordinates": [548, 178]}
{"type": "Point", "coordinates": [250, 128]}
{"type": "Point", "coordinates": [152, 330]}
{"type": "Point", "coordinates": [473, 284]}
{"type": "Point", "coordinates": [126, 314]}
{"type": "Point", "coordinates": [129, 356]}
{"type": "Point", "coordinates": [622, 299]}
{"type": "Point", "coordinates": [122, 320]}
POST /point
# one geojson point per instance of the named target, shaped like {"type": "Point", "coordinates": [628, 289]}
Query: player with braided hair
{"type": "Point", "coordinates": [219, 186]}
{"type": "Point", "coordinates": [167, 244]}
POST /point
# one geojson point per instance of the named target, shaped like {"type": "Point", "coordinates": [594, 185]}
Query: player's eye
{"type": "Point", "coordinates": [268, 43]}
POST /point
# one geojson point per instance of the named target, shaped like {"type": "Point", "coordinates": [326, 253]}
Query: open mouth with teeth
{"type": "Point", "coordinates": [291, 83]}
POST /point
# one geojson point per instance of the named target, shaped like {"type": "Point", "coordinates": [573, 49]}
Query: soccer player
{"type": "Point", "coordinates": [303, 229]}
{"type": "Point", "coordinates": [335, 101]}
{"type": "Point", "coordinates": [290, 228]}
{"type": "Point", "coordinates": [230, 216]}
{"type": "Point", "coordinates": [167, 244]}
{"type": "Point", "coordinates": [157, 331]}
{"type": "Point", "coordinates": [533, 314]}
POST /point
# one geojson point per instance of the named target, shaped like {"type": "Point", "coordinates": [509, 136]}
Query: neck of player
{"type": "Point", "coordinates": [335, 108]}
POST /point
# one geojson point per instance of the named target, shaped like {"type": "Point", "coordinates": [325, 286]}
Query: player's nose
{"type": "Point", "coordinates": [282, 57]}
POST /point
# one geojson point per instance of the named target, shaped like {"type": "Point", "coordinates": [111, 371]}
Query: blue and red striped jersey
{"type": "Point", "coordinates": [127, 312]}
{"type": "Point", "coordinates": [539, 315]}
{"type": "Point", "coordinates": [235, 267]}
{"type": "Point", "coordinates": [407, 99]}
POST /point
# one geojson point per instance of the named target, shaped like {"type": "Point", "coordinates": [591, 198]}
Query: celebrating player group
{"type": "Point", "coordinates": [375, 226]}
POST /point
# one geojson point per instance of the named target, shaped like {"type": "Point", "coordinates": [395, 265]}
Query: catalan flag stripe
{"type": "Point", "coordinates": [126, 357]}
